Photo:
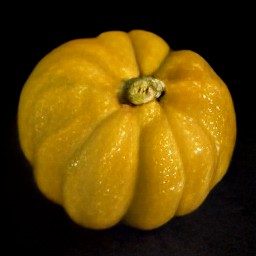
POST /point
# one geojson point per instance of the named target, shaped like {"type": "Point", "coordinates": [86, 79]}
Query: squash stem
{"type": "Point", "coordinates": [141, 90]}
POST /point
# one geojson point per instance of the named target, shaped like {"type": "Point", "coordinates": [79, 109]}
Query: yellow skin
{"type": "Point", "coordinates": [105, 160]}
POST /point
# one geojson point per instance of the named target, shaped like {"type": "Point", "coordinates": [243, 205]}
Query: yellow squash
{"type": "Point", "coordinates": [122, 128]}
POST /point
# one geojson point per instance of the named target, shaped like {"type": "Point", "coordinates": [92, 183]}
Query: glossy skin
{"type": "Point", "coordinates": [105, 161]}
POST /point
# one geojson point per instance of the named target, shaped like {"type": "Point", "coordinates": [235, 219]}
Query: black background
{"type": "Point", "coordinates": [225, 223]}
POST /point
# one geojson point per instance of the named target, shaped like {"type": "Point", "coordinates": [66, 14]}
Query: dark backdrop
{"type": "Point", "coordinates": [225, 223]}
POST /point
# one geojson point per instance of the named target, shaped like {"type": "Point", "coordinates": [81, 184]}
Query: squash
{"type": "Point", "coordinates": [122, 128]}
